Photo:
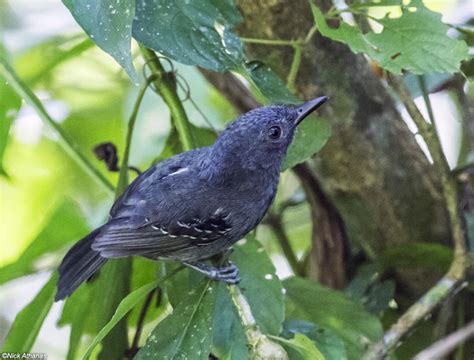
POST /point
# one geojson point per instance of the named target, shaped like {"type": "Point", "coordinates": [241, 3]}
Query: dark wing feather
{"type": "Point", "coordinates": [119, 239]}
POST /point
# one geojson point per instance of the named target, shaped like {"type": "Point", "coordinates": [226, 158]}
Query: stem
{"type": "Point", "coordinates": [166, 87]}
{"type": "Point", "coordinates": [141, 320]}
{"type": "Point", "coordinates": [262, 347]}
{"type": "Point", "coordinates": [274, 221]}
{"type": "Point", "coordinates": [295, 65]}
{"type": "Point", "coordinates": [123, 177]}
{"type": "Point", "coordinates": [453, 281]}
{"type": "Point", "coordinates": [276, 42]}
{"type": "Point", "coordinates": [68, 145]}
{"type": "Point", "coordinates": [426, 98]}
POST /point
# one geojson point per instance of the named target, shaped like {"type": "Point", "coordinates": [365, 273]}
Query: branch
{"type": "Point", "coordinates": [123, 177]}
{"type": "Point", "coordinates": [446, 345]}
{"type": "Point", "coordinates": [453, 281]}
{"type": "Point", "coordinates": [262, 346]}
{"type": "Point", "coordinates": [68, 144]}
{"type": "Point", "coordinates": [165, 84]}
{"type": "Point", "coordinates": [274, 221]}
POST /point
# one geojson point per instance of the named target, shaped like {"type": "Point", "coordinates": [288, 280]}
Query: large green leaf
{"type": "Point", "coordinates": [261, 286]}
{"type": "Point", "coordinates": [9, 106]}
{"type": "Point", "coordinates": [28, 322]}
{"type": "Point", "coordinates": [416, 41]}
{"type": "Point", "coordinates": [65, 225]}
{"type": "Point", "coordinates": [187, 332]}
{"type": "Point", "coordinates": [307, 300]}
{"type": "Point", "coordinates": [300, 347]}
{"type": "Point", "coordinates": [109, 24]}
{"type": "Point", "coordinates": [191, 32]}
{"type": "Point", "coordinates": [310, 137]}
{"type": "Point", "coordinates": [327, 342]}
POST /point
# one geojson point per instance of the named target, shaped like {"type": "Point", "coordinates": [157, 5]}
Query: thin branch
{"type": "Point", "coordinates": [141, 321]}
{"type": "Point", "coordinates": [166, 86]}
{"type": "Point", "coordinates": [295, 66]}
{"type": "Point", "coordinates": [71, 148]}
{"type": "Point", "coordinates": [123, 177]}
{"type": "Point", "coordinates": [426, 98]}
{"type": "Point", "coordinates": [276, 42]}
{"type": "Point", "coordinates": [261, 346]}
{"type": "Point", "coordinates": [446, 345]}
{"type": "Point", "coordinates": [273, 220]}
{"type": "Point", "coordinates": [454, 280]}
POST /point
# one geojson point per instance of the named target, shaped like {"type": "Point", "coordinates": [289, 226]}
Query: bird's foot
{"type": "Point", "coordinates": [229, 273]}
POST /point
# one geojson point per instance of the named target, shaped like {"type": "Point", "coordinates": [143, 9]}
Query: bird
{"type": "Point", "coordinates": [197, 204]}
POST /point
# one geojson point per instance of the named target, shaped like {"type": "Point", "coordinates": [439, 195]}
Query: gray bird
{"type": "Point", "coordinates": [197, 204]}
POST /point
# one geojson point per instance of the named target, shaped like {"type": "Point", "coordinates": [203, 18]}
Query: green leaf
{"type": "Point", "coordinates": [268, 83]}
{"type": "Point", "coordinates": [416, 41]}
{"type": "Point", "coordinates": [28, 322]}
{"type": "Point", "coordinates": [331, 309]}
{"type": "Point", "coordinates": [310, 138]}
{"type": "Point", "coordinates": [65, 224]}
{"type": "Point", "coordinates": [109, 24]}
{"type": "Point", "coordinates": [9, 106]}
{"type": "Point", "coordinates": [228, 338]}
{"type": "Point", "coordinates": [187, 332]}
{"type": "Point", "coordinates": [125, 306]}
{"type": "Point", "coordinates": [300, 348]}
{"type": "Point", "coordinates": [367, 289]}
{"type": "Point", "coordinates": [191, 32]}
{"type": "Point", "coordinates": [263, 288]}
{"type": "Point", "coordinates": [327, 342]}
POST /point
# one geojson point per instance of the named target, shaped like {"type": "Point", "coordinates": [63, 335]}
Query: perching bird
{"type": "Point", "coordinates": [196, 204]}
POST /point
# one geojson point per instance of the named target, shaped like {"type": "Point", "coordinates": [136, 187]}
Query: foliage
{"type": "Point", "coordinates": [193, 316]}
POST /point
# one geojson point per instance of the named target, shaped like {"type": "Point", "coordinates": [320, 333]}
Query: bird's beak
{"type": "Point", "coordinates": [308, 107]}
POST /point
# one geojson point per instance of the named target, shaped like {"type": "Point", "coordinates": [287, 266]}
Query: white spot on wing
{"type": "Point", "coordinates": [179, 171]}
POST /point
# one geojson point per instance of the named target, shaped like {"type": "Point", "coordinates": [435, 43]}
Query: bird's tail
{"type": "Point", "coordinates": [79, 264]}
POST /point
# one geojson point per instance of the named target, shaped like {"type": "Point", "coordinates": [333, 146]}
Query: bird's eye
{"type": "Point", "coordinates": [274, 132]}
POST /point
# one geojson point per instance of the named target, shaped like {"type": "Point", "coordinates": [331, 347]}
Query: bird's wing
{"type": "Point", "coordinates": [163, 211]}
{"type": "Point", "coordinates": [121, 238]}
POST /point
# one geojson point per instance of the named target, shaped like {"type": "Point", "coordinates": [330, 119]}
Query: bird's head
{"type": "Point", "coordinates": [260, 138]}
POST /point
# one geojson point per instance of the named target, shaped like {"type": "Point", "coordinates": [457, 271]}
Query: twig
{"type": "Point", "coordinates": [141, 320]}
{"type": "Point", "coordinates": [274, 222]}
{"type": "Point", "coordinates": [446, 345]}
{"type": "Point", "coordinates": [453, 281]}
{"type": "Point", "coordinates": [123, 177]}
{"type": "Point", "coordinates": [261, 346]}
{"type": "Point", "coordinates": [68, 145]}
{"type": "Point", "coordinates": [295, 66]}
{"type": "Point", "coordinates": [166, 87]}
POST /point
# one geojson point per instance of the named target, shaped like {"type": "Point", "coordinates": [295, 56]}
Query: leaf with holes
{"type": "Point", "coordinates": [191, 32]}
{"type": "Point", "coordinates": [416, 41]}
{"type": "Point", "coordinates": [109, 24]}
